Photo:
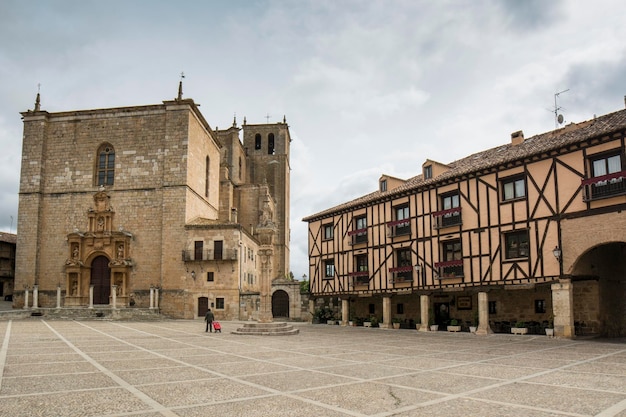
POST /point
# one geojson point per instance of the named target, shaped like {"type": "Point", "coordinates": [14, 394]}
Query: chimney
{"type": "Point", "coordinates": [517, 137]}
{"type": "Point", "coordinates": [233, 215]}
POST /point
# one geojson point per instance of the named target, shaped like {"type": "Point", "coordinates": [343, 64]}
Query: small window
{"type": "Point", "coordinates": [106, 165]}
{"type": "Point", "coordinates": [359, 233]}
{"type": "Point", "coordinates": [383, 186]}
{"type": "Point", "coordinates": [198, 247]}
{"type": "Point", "coordinates": [210, 277]}
{"type": "Point", "coordinates": [540, 306]}
{"type": "Point", "coordinates": [606, 165]}
{"type": "Point", "coordinates": [218, 250]}
{"type": "Point", "coordinates": [329, 269]}
{"type": "Point", "coordinates": [361, 263]}
{"type": "Point", "coordinates": [372, 308]}
{"type": "Point", "coordinates": [428, 172]}
{"type": "Point", "coordinates": [206, 177]}
{"type": "Point", "coordinates": [399, 308]}
{"type": "Point", "coordinates": [513, 188]}
{"type": "Point", "coordinates": [402, 227]}
{"type": "Point", "coordinates": [516, 244]}
{"type": "Point", "coordinates": [492, 307]}
{"type": "Point", "coordinates": [328, 231]}
{"type": "Point", "coordinates": [219, 303]}
{"type": "Point", "coordinates": [257, 141]}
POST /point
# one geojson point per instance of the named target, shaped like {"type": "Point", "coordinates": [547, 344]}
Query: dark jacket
{"type": "Point", "coordinates": [209, 316]}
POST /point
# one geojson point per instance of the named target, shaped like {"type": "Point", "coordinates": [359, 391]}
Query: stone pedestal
{"type": "Point", "coordinates": [483, 314]}
{"type": "Point", "coordinates": [424, 313]}
{"type": "Point", "coordinates": [563, 308]}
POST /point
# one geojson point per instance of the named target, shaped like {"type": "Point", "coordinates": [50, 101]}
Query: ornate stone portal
{"type": "Point", "coordinates": [109, 249]}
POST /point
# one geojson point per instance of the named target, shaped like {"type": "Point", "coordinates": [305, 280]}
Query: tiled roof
{"type": "Point", "coordinates": [8, 237]}
{"type": "Point", "coordinates": [498, 156]}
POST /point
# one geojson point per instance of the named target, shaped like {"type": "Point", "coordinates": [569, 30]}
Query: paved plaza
{"type": "Point", "coordinates": [173, 368]}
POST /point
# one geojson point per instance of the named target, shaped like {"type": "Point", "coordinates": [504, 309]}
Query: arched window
{"type": "Point", "coordinates": [257, 141]}
{"type": "Point", "coordinates": [106, 165]}
{"type": "Point", "coordinates": [206, 177]}
{"type": "Point", "coordinates": [270, 144]}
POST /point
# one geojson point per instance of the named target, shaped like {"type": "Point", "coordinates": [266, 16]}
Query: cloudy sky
{"type": "Point", "coordinates": [368, 87]}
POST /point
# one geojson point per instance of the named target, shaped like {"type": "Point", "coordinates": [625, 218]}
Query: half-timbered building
{"type": "Point", "coordinates": [532, 231]}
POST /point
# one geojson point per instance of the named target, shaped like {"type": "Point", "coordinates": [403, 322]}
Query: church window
{"type": "Point", "coordinates": [106, 165]}
{"type": "Point", "coordinates": [257, 141]}
{"type": "Point", "coordinates": [270, 144]}
{"type": "Point", "coordinates": [206, 177]}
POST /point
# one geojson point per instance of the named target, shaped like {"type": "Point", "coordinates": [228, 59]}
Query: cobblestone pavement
{"type": "Point", "coordinates": [174, 368]}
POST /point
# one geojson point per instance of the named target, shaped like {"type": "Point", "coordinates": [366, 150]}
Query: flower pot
{"type": "Point", "coordinates": [331, 322]}
{"type": "Point", "coordinates": [472, 329]}
{"type": "Point", "coordinates": [434, 327]}
{"type": "Point", "coordinates": [550, 332]}
{"type": "Point", "coordinates": [367, 324]}
{"type": "Point", "coordinates": [519, 330]}
{"type": "Point", "coordinates": [454, 328]}
{"type": "Point", "coordinates": [396, 325]}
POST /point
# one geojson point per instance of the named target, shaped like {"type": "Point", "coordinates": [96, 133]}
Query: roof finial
{"type": "Point", "coordinates": [235, 120]}
{"type": "Point", "coordinates": [244, 117]}
{"type": "Point", "coordinates": [180, 86]}
{"type": "Point", "coordinates": [38, 99]}
{"type": "Point", "coordinates": [284, 119]}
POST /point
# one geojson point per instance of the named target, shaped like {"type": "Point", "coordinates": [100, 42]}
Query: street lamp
{"type": "Point", "coordinates": [557, 253]}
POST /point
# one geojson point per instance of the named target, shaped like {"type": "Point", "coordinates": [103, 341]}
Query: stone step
{"type": "Point", "coordinates": [266, 329]}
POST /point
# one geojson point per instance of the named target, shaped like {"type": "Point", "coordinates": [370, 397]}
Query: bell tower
{"type": "Point", "coordinates": [267, 152]}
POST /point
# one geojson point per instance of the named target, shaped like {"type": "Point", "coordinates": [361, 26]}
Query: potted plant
{"type": "Point", "coordinates": [520, 328]}
{"type": "Point", "coordinates": [550, 327]}
{"type": "Point", "coordinates": [431, 322]}
{"type": "Point", "coordinates": [474, 325]}
{"type": "Point", "coordinates": [396, 322]}
{"type": "Point", "coordinates": [374, 321]}
{"type": "Point", "coordinates": [418, 323]}
{"type": "Point", "coordinates": [454, 326]}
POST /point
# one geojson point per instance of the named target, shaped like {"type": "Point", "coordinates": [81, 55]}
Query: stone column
{"type": "Point", "coordinates": [26, 297]}
{"type": "Point", "coordinates": [424, 313]}
{"type": "Point", "coordinates": [386, 324]}
{"type": "Point", "coordinates": [114, 296]}
{"type": "Point", "coordinates": [563, 308]}
{"type": "Point", "coordinates": [58, 296]}
{"type": "Point", "coordinates": [36, 296]}
{"type": "Point", "coordinates": [151, 297]}
{"type": "Point", "coordinates": [345, 311]}
{"type": "Point", "coordinates": [311, 308]}
{"type": "Point", "coordinates": [156, 297]}
{"type": "Point", "coordinates": [483, 314]}
{"type": "Point", "coordinates": [90, 296]}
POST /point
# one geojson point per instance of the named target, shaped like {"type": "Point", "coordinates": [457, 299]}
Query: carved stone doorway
{"type": "Point", "coordinates": [101, 280]}
{"type": "Point", "coordinates": [280, 304]}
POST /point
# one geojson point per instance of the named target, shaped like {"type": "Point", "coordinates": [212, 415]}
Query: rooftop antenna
{"type": "Point", "coordinates": [558, 118]}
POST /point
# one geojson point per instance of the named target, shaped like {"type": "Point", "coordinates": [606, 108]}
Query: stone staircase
{"type": "Point", "coordinates": [83, 313]}
{"type": "Point", "coordinates": [266, 329]}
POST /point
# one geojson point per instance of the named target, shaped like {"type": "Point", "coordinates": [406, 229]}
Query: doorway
{"type": "Point", "coordinates": [101, 280]}
{"type": "Point", "coordinates": [203, 306]}
{"type": "Point", "coordinates": [280, 304]}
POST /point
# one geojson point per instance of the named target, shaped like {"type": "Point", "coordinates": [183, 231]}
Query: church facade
{"type": "Point", "coordinates": [149, 206]}
{"type": "Point", "coordinates": [530, 234]}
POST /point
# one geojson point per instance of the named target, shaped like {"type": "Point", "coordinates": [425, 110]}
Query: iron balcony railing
{"type": "Point", "coordinates": [210, 255]}
{"type": "Point", "coordinates": [604, 186]}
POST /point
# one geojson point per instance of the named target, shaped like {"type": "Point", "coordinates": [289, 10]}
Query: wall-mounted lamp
{"type": "Point", "coordinates": [193, 274]}
{"type": "Point", "coordinates": [557, 253]}
{"type": "Point", "coordinates": [418, 268]}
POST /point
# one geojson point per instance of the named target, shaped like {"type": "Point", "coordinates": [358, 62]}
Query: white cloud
{"type": "Point", "coordinates": [367, 88]}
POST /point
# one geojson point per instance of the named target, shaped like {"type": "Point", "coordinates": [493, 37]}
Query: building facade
{"type": "Point", "coordinates": [530, 232]}
{"type": "Point", "coordinates": [149, 206]}
{"type": "Point", "coordinates": [7, 264]}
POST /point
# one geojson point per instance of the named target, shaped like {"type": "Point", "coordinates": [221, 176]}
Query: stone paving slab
{"type": "Point", "coordinates": [173, 368]}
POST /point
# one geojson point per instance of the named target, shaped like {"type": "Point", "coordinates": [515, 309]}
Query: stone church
{"type": "Point", "coordinates": [151, 207]}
